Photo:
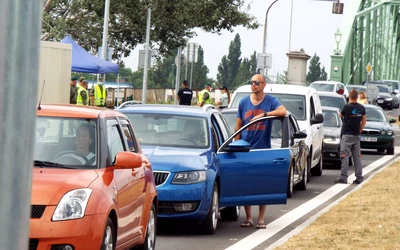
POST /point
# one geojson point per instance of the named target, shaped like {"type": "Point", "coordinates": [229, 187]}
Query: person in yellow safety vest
{"type": "Point", "coordinates": [100, 94]}
{"type": "Point", "coordinates": [204, 95]}
{"type": "Point", "coordinates": [83, 96]}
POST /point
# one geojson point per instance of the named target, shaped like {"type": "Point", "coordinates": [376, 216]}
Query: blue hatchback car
{"type": "Point", "coordinates": [200, 171]}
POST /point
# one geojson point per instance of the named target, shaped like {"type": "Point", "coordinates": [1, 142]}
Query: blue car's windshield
{"type": "Point", "coordinates": [170, 130]}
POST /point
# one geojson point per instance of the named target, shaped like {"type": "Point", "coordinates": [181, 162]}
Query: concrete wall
{"type": "Point", "coordinates": [55, 70]}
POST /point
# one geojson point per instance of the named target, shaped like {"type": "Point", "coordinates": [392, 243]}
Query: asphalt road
{"type": "Point", "coordinates": [280, 219]}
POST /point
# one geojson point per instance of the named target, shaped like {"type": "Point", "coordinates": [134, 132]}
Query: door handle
{"type": "Point", "coordinates": [280, 160]}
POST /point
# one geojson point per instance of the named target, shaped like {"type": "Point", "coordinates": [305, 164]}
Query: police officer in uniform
{"type": "Point", "coordinates": [204, 95]}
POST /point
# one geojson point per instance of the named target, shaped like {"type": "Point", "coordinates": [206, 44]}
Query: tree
{"type": "Point", "coordinates": [284, 77]}
{"type": "Point", "coordinates": [200, 71]}
{"type": "Point", "coordinates": [243, 74]}
{"type": "Point", "coordinates": [171, 22]}
{"type": "Point", "coordinates": [314, 70]}
{"type": "Point", "coordinates": [223, 72]}
{"type": "Point", "coordinates": [253, 63]}
{"type": "Point", "coordinates": [234, 60]}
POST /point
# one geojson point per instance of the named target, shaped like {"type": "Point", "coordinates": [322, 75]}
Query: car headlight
{"type": "Point", "coordinates": [189, 177]}
{"type": "Point", "coordinates": [332, 140]}
{"type": "Point", "coordinates": [389, 99]}
{"type": "Point", "coordinates": [389, 132]}
{"type": "Point", "coordinates": [72, 205]}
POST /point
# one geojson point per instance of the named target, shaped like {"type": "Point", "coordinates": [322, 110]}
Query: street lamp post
{"type": "Point", "coordinates": [105, 33]}
{"type": "Point", "coordinates": [265, 28]}
{"type": "Point", "coordinates": [338, 37]}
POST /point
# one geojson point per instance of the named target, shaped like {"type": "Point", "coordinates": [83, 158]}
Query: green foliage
{"type": "Point", "coordinates": [223, 72]}
{"type": "Point", "coordinates": [171, 22]}
{"type": "Point", "coordinates": [314, 70]}
{"type": "Point", "coordinates": [200, 71]}
{"type": "Point", "coordinates": [234, 60]}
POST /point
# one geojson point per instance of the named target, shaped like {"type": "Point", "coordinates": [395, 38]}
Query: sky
{"type": "Point", "coordinates": [313, 29]}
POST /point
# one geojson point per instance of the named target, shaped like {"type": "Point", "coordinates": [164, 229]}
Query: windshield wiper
{"type": "Point", "coordinates": [49, 164]}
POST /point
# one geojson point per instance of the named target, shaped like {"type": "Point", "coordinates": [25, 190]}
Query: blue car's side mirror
{"type": "Point", "coordinates": [238, 146]}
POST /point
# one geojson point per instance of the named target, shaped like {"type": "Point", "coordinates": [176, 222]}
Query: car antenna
{"type": "Point", "coordinates": [41, 94]}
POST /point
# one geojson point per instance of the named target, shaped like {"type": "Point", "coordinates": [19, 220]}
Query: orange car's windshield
{"type": "Point", "coordinates": [66, 142]}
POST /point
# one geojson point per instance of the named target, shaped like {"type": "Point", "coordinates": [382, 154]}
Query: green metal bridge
{"type": "Point", "coordinates": [370, 35]}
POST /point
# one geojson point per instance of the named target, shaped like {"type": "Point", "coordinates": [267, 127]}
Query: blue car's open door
{"type": "Point", "coordinates": [255, 176]}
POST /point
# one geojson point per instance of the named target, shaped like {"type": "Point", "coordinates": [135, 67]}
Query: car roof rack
{"type": "Point", "coordinates": [132, 102]}
{"type": "Point", "coordinates": [207, 106]}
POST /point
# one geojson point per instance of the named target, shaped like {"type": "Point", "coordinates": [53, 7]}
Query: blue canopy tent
{"type": "Point", "coordinates": [83, 61]}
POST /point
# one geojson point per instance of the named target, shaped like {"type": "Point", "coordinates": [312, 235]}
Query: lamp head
{"type": "Point", "coordinates": [338, 35]}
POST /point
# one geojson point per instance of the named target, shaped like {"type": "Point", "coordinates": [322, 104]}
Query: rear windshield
{"type": "Point", "coordinates": [331, 101]}
{"type": "Point", "coordinates": [322, 87]}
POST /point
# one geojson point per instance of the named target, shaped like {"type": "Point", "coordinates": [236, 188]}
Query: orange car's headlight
{"type": "Point", "coordinates": [72, 205]}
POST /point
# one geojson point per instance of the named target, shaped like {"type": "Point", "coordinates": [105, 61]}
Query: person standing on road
{"type": "Point", "coordinates": [255, 106]}
{"type": "Point", "coordinates": [361, 99]}
{"type": "Point", "coordinates": [73, 90]}
{"type": "Point", "coordinates": [354, 119]}
{"type": "Point", "coordinates": [225, 98]}
{"type": "Point", "coordinates": [185, 94]}
{"type": "Point", "coordinates": [204, 95]}
{"type": "Point", "coordinates": [100, 94]}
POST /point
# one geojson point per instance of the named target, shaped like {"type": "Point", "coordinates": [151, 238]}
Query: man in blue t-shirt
{"type": "Point", "coordinates": [255, 106]}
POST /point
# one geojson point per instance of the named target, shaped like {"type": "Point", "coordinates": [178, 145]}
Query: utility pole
{"type": "Point", "coordinates": [19, 65]}
{"type": "Point", "coordinates": [264, 47]}
{"type": "Point", "coordinates": [105, 34]}
{"type": "Point", "coordinates": [146, 56]}
{"type": "Point", "coordinates": [178, 73]}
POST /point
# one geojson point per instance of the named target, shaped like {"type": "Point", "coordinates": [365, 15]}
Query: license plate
{"type": "Point", "coordinates": [373, 139]}
{"type": "Point", "coordinates": [380, 101]}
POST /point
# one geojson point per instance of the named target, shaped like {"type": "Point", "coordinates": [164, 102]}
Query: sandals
{"type": "Point", "coordinates": [261, 226]}
{"type": "Point", "coordinates": [246, 224]}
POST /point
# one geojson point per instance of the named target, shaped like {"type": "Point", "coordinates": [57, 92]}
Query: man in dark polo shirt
{"type": "Point", "coordinates": [185, 94]}
{"type": "Point", "coordinates": [354, 120]}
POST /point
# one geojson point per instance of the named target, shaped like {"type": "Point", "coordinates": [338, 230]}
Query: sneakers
{"type": "Point", "coordinates": [357, 182]}
{"type": "Point", "coordinates": [340, 181]}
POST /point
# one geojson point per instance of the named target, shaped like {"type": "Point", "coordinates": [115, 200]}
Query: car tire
{"type": "Point", "coordinates": [380, 150]}
{"type": "Point", "coordinates": [211, 221]}
{"type": "Point", "coordinates": [302, 185]}
{"type": "Point", "coordinates": [317, 170]}
{"type": "Point", "coordinates": [150, 240]}
{"type": "Point", "coordinates": [308, 168]}
{"type": "Point", "coordinates": [108, 242]}
{"type": "Point", "coordinates": [390, 151]}
{"type": "Point", "coordinates": [390, 107]}
{"type": "Point", "coordinates": [290, 183]}
{"type": "Point", "coordinates": [230, 213]}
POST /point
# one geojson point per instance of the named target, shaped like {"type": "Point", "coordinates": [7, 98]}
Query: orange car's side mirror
{"type": "Point", "coordinates": [127, 160]}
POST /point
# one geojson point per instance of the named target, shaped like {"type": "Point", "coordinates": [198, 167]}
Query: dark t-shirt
{"type": "Point", "coordinates": [185, 96]}
{"type": "Point", "coordinates": [352, 116]}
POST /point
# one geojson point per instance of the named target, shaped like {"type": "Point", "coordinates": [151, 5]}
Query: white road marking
{"type": "Point", "coordinates": [277, 225]}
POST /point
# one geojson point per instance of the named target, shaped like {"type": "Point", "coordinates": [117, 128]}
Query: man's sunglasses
{"type": "Point", "coordinates": [254, 82]}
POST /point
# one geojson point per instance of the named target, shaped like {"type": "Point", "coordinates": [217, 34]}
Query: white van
{"type": "Point", "coordinates": [304, 103]}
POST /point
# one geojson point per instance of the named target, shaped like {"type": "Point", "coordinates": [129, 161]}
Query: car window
{"type": "Point", "coordinates": [115, 143]}
{"type": "Point", "coordinates": [295, 104]}
{"type": "Point", "coordinates": [383, 89]}
{"type": "Point", "coordinates": [65, 140]}
{"type": "Point", "coordinates": [323, 87]}
{"type": "Point", "coordinates": [230, 118]}
{"type": "Point", "coordinates": [170, 130]}
{"type": "Point", "coordinates": [129, 138]}
{"type": "Point", "coordinates": [332, 101]}
{"type": "Point", "coordinates": [331, 118]}
{"type": "Point", "coordinates": [223, 126]}
{"type": "Point", "coordinates": [238, 97]}
{"type": "Point", "coordinates": [375, 115]}
{"type": "Point", "coordinates": [312, 108]}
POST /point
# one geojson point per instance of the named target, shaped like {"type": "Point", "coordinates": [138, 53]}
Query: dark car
{"type": "Point", "coordinates": [300, 176]}
{"type": "Point", "coordinates": [332, 129]}
{"type": "Point", "coordinates": [378, 133]}
{"type": "Point", "coordinates": [386, 97]}
{"type": "Point", "coordinates": [332, 100]}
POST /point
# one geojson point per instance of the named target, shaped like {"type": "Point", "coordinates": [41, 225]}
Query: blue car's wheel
{"type": "Point", "coordinates": [211, 221]}
{"type": "Point", "coordinates": [230, 213]}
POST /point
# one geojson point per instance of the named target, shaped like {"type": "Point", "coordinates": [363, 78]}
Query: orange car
{"type": "Point", "coordinates": [92, 186]}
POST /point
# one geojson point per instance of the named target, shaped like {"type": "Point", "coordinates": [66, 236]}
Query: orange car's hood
{"type": "Point", "coordinates": [49, 185]}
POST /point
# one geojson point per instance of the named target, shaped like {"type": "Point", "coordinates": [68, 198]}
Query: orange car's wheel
{"type": "Point", "coordinates": [108, 242]}
{"type": "Point", "coordinates": [150, 240]}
